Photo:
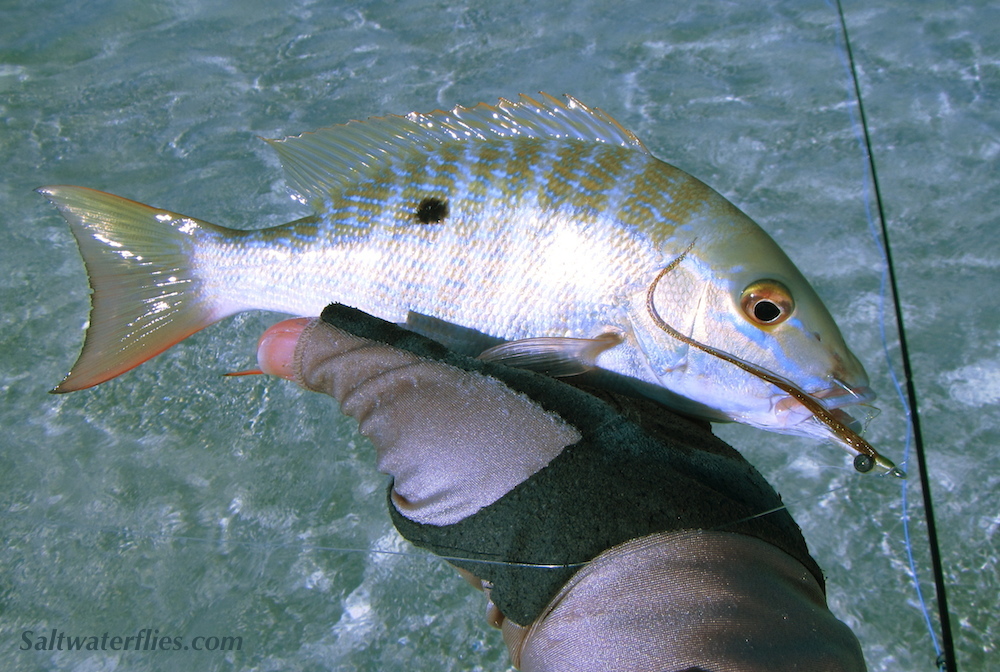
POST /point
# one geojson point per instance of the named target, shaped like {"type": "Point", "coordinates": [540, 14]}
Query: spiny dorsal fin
{"type": "Point", "coordinates": [325, 161]}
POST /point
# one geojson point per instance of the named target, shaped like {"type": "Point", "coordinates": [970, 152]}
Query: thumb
{"type": "Point", "coordinates": [276, 347]}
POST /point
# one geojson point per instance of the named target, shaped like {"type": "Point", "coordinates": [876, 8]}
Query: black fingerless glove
{"type": "Point", "coordinates": [639, 469]}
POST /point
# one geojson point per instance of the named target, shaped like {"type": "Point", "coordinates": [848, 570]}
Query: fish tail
{"type": "Point", "coordinates": [147, 293]}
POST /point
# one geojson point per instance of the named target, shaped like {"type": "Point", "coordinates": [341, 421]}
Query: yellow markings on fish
{"type": "Point", "coordinates": [530, 219]}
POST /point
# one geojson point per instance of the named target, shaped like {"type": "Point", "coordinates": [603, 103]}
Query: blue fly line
{"type": "Point", "coordinates": [945, 660]}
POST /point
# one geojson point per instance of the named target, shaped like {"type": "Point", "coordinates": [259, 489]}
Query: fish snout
{"type": "Point", "coordinates": [842, 395]}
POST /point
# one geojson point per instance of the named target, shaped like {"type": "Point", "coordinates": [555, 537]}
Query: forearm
{"type": "Point", "coordinates": [707, 600]}
{"type": "Point", "coordinates": [594, 521]}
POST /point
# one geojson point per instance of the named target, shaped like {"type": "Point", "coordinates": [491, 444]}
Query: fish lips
{"type": "Point", "coordinates": [836, 398]}
{"type": "Point", "coordinates": [842, 395]}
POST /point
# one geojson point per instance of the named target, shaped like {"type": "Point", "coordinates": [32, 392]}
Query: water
{"type": "Point", "coordinates": [176, 500]}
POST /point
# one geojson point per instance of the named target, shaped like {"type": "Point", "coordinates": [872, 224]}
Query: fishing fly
{"type": "Point", "coordinates": [524, 207]}
{"type": "Point", "coordinates": [867, 457]}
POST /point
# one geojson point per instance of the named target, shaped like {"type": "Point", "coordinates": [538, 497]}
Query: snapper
{"type": "Point", "coordinates": [540, 230]}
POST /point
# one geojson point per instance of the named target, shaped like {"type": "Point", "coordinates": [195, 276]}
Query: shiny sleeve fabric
{"type": "Point", "coordinates": [607, 532]}
{"type": "Point", "coordinates": [683, 601]}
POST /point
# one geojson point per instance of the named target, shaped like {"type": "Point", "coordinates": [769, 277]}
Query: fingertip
{"type": "Point", "coordinates": [276, 347]}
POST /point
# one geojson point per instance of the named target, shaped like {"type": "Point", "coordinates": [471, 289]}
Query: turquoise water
{"type": "Point", "coordinates": [176, 500]}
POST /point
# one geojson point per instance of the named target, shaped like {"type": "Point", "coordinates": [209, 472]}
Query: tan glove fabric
{"type": "Point", "coordinates": [453, 441]}
{"type": "Point", "coordinates": [462, 446]}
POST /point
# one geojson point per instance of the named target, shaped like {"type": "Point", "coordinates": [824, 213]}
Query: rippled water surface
{"type": "Point", "coordinates": [176, 500]}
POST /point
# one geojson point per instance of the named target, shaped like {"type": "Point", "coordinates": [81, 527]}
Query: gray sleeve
{"type": "Point", "coordinates": [494, 463]}
{"type": "Point", "coordinates": [692, 600]}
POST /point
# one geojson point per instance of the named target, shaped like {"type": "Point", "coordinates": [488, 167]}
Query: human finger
{"type": "Point", "coordinates": [276, 347]}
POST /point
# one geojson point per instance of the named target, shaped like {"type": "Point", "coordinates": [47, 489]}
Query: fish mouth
{"type": "Point", "coordinates": [836, 398]}
{"type": "Point", "coordinates": [844, 395]}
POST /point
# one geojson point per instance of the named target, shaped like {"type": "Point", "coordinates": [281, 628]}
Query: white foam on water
{"type": "Point", "coordinates": [174, 499]}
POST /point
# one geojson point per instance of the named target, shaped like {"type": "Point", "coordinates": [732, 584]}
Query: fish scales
{"type": "Point", "coordinates": [538, 222]}
{"type": "Point", "coordinates": [520, 222]}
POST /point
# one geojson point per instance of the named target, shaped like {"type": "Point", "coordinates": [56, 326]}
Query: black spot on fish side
{"type": "Point", "coordinates": [431, 211]}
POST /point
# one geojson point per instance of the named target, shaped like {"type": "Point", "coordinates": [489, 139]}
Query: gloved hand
{"type": "Point", "coordinates": [607, 532]}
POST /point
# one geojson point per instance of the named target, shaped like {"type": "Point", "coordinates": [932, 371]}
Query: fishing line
{"type": "Point", "coordinates": [867, 457]}
{"type": "Point", "coordinates": [910, 405]}
{"type": "Point", "coordinates": [946, 659]}
{"type": "Point", "coordinates": [128, 532]}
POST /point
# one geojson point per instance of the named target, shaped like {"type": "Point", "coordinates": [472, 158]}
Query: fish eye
{"type": "Point", "coordinates": [767, 303]}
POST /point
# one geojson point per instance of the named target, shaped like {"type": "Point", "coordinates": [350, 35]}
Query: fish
{"type": "Point", "coordinates": [542, 225]}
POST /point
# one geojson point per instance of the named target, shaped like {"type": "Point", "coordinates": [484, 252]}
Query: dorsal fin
{"type": "Point", "coordinates": [325, 161]}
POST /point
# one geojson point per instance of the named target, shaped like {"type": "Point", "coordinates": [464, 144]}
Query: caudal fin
{"type": "Point", "coordinates": [146, 293]}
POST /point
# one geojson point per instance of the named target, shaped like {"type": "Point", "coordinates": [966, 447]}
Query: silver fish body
{"type": "Point", "coordinates": [539, 223]}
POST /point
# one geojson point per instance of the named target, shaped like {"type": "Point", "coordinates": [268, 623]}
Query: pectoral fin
{"type": "Point", "coordinates": [558, 357]}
